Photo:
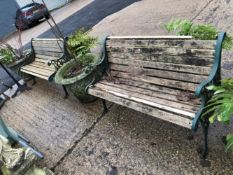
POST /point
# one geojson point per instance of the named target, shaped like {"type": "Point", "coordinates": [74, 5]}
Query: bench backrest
{"type": "Point", "coordinates": [47, 49]}
{"type": "Point", "coordinates": [178, 63]}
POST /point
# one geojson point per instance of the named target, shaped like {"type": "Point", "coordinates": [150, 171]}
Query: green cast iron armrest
{"type": "Point", "coordinates": [213, 79]}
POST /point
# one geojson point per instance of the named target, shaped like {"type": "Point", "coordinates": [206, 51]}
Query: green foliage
{"type": "Point", "coordinates": [198, 31]}
{"type": "Point", "coordinates": [220, 106]}
{"type": "Point", "coordinates": [181, 27]}
{"type": "Point", "coordinates": [80, 44]}
{"type": "Point", "coordinates": [7, 56]}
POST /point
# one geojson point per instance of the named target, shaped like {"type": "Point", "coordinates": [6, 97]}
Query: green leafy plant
{"type": "Point", "coordinates": [220, 106]}
{"type": "Point", "coordinates": [198, 31]}
{"type": "Point", "coordinates": [7, 56]}
{"type": "Point", "coordinates": [80, 44]}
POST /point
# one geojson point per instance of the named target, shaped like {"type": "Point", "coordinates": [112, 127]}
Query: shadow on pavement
{"type": "Point", "coordinates": [90, 15]}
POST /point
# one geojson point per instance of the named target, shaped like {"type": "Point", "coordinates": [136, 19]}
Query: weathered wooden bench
{"type": "Point", "coordinates": [49, 54]}
{"type": "Point", "coordinates": [164, 77]}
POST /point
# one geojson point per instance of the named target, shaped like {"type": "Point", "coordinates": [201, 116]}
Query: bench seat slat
{"type": "Point", "coordinates": [42, 65]}
{"type": "Point", "coordinates": [35, 74]}
{"type": "Point", "coordinates": [155, 92]}
{"type": "Point", "coordinates": [139, 93]}
{"type": "Point", "coordinates": [40, 71]}
{"type": "Point", "coordinates": [141, 106]}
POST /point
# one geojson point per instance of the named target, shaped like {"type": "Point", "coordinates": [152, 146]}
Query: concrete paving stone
{"type": "Point", "coordinates": [134, 143]}
{"type": "Point", "coordinates": [49, 121]}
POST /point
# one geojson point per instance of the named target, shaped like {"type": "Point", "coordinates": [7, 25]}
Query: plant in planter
{"type": "Point", "coordinates": [220, 106]}
{"type": "Point", "coordinates": [83, 70]}
{"type": "Point", "coordinates": [197, 31]}
{"type": "Point", "coordinates": [14, 58]}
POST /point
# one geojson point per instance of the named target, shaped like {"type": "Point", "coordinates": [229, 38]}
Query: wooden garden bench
{"type": "Point", "coordinates": [49, 54]}
{"type": "Point", "coordinates": [164, 77]}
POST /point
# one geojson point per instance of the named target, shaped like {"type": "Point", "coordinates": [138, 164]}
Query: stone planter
{"type": "Point", "coordinates": [79, 84]}
{"type": "Point", "coordinates": [16, 66]}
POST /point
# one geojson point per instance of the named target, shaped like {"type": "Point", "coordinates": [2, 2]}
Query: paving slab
{"type": "Point", "coordinates": [129, 142]}
{"type": "Point", "coordinates": [49, 121]}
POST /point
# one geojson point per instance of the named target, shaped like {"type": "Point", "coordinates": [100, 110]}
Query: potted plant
{"type": "Point", "coordinates": [220, 106]}
{"type": "Point", "coordinates": [14, 58]}
{"type": "Point", "coordinates": [197, 31]}
{"type": "Point", "coordinates": [86, 67]}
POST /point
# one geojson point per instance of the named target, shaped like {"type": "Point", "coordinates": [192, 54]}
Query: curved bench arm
{"type": "Point", "coordinates": [213, 79]}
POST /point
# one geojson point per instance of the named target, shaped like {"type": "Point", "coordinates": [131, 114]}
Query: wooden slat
{"type": "Point", "coordinates": [137, 93]}
{"type": "Point", "coordinates": [149, 37]}
{"type": "Point", "coordinates": [155, 91]}
{"type": "Point", "coordinates": [158, 81]}
{"type": "Point", "coordinates": [199, 70]}
{"type": "Point", "coordinates": [187, 44]}
{"type": "Point", "coordinates": [185, 60]}
{"type": "Point", "coordinates": [38, 70]}
{"type": "Point", "coordinates": [44, 66]}
{"type": "Point", "coordinates": [179, 51]}
{"type": "Point", "coordinates": [49, 46]}
{"type": "Point", "coordinates": [45, 53]}
{"type": "Point", "coordinates": [34, 74]}
{"type": "Point", "coordinates": [143, 107]}
{"type": "Point", "coordinates": [48, 49]}
{"type": "Point", "coordinates": [138, 71]}
{"type": "Point", "coordinates": [41, 60]}
{"type": "Point", "coordinates": [46, 57]}
{"type": "Point", "coordinates": [47, 39]}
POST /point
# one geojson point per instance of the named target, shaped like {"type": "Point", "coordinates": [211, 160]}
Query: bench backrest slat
{"type": "Point", "coordinates": [179, 63]}
{"type": "Point", "coordinates": [48, 48]}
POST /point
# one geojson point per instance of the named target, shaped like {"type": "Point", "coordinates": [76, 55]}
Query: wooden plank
{"type": "Point", "coordinates": [170, 51]}
{"type": "Point", "coordinates": [155, 92]}
{"type": "Point", "coordinates": [34, 74]}
{"type": "Point", "coordinates": [42, 60]}
{"type": "Point", "coordinates": [185, 60]}
{"type": "Point", "coordinates": [47, 39]}
{"type": "Point", "coordinates": [50, 45]}
{"type": "Point", "coordinates": [137, 93]}
{"type": "Point", "coordinates": [51, 54]}
{"type": "Point", "coordinates": [149, 37]}
{"type": "Point", "coordinates": [158, 81]}
{"type": "Point", "coordinates": [141, 107]}
{"type": "Point", "coordinates": [187, 44]}
{"type": "Point", "coordinates": [38, 70]}
{"type": "Point", "coordinates": [198, 70]}
{"type": "Point", "coordinates": [158, 73]}
{"type": "Point", "coordinates": [46, 57]}
{"type": "Point", "coordinates": [44, 66]}
{"type": "Point", "coordinates": [48, 49]}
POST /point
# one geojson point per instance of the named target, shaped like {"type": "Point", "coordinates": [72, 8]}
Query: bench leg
{"type": "Point", "coordinates": [33, 81]}
{"type": "Point", "coordinates": [205, 127]}
{"type": "Point", "coordinates": [105, 110]}
{"type": "Point", "coordinates": [66, 92]}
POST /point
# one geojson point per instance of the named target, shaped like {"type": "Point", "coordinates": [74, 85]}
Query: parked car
{"type": "Point", "coordinates": [30, 14]}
